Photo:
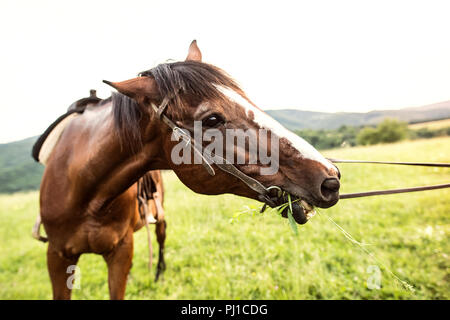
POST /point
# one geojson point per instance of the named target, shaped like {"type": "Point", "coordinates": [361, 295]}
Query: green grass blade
{"type": "Point", "coordinates": [292, 222]}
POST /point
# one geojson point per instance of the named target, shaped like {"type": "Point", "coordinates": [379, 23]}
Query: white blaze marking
{"type": "Point", "coordinates": [267, 122]}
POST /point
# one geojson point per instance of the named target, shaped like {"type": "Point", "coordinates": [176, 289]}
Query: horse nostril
{"type": "Point", "coordinates": [329, 186]}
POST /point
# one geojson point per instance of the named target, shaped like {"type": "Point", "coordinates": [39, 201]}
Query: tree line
{"type": "Point", "coordinates": [389, 130]}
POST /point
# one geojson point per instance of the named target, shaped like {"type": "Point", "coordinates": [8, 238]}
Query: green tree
{"type": "Point", "coordinates": [368, 135]}
{"type": "Point", "coordinates": [390, 130]}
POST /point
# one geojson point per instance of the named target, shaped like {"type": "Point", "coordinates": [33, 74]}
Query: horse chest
{"type": "Point", "coordinates": [94, 237]}
{"type": "Point", "coordinates": [103, 239]}
{"type": "Point", "coordinates": [98, 230]}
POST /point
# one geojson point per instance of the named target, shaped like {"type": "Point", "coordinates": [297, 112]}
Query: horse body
{"type": "Point", "coordinates": [88, 205]}
{"type": "Point", "coordinates": [88, 191]}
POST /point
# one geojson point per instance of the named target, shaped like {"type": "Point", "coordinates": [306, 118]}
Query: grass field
{"type": "Point", "coordinates": [258, 257]}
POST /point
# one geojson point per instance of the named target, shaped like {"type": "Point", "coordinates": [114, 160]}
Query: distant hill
{"type": "Point", "coordinates": [18, 170]}
{"type": "Point", "coordinates": [297, 119]}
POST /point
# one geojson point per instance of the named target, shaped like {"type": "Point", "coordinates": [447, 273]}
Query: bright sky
{"type": "Point", "coordinates": [316, 55]}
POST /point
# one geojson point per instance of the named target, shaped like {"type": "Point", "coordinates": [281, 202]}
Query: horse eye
{"type": "Point", "coordinates": [212, 121]}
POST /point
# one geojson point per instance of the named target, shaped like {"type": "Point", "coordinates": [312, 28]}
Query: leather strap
{"type": "Point", "coordinates": [253, 184]}
{"type": "Point", "coordinates": [162, 107]}
{"type": "Point", "coordinates": [207, 162]}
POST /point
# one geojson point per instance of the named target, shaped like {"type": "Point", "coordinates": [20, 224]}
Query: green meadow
{"type": "Point", "coordinates": [398, 240]}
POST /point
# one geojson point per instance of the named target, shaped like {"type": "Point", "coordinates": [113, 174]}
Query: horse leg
{"type": "Point", "coordinates": [59, 271]}
{"type": "Point", "coordinates": [161, 237]}
{"type": "Point", "coordinates": [119, 262]}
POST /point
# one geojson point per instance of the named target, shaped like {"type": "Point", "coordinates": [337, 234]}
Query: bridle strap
{"type": "Point", "coordinates": [162, 107]}
{"type": "Point", "coordinates": [253, 184]}
{"type": "Point", "coordinates": [207, 162]}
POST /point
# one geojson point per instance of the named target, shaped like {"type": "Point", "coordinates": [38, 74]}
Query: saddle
{"type": "Point", "coordinates": [81, 104]}
{"type": "Point", "coordinates": [53, 132]}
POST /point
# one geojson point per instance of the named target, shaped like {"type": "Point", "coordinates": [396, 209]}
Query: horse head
{"type": "Point", "coordinates": [201, 102]}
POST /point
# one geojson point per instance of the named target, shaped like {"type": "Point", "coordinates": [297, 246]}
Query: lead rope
{"type": "Point", "coordinates": [422, 164]}
{"type": "Point", "coordinates": [393, 191]}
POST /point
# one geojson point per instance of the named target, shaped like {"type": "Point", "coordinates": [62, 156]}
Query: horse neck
{"type": "Point", "coordinates": [103, 167]}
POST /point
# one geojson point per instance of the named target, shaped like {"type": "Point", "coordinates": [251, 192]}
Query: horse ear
{"type": "Point", "coordinates": [194, 53]}
{"type": "Point", "coordinates": [136, 88]}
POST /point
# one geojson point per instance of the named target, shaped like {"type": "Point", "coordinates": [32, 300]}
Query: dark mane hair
{"type": "Point", "coordinates": [126, 114]}
{"type": "Point", "coordinates": [174, 80]}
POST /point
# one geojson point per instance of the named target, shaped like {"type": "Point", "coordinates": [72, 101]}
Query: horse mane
{"type": "Point", "coordinates": [174, 80]}
{"type": "Point", "coordinates": [126, 114]}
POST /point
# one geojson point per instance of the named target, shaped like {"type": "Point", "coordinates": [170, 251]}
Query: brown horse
{"type": "Point", "coordinates": [87, 190]}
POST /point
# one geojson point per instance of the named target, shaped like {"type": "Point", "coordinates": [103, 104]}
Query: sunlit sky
{"type": "Point", "coordinates": [317, 55]}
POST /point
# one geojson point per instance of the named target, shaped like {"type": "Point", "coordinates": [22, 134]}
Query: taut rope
{"type": "Point", "coordinates": [393, 191]}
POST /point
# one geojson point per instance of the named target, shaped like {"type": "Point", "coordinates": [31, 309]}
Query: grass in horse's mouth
{"type": "Point", "coordinates": [295, 216]}
{"type": "Point", "coordinates": [285, 210]}
{"type": "Point", "coordinates": [309, 209]}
